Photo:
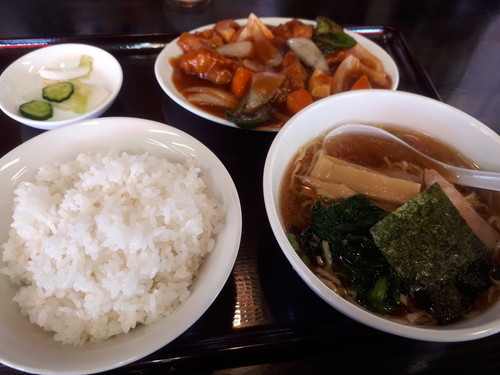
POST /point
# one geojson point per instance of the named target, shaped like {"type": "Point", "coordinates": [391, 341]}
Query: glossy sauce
{"type": "Point", "coordinates": [181, 81]}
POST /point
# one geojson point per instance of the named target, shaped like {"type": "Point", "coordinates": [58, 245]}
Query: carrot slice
{"type": "Point", "coordinates": [362, 83]}
{"type": "Point", "coordinates": [241, 81]}
{"type": "Point", "coordinates": [298, 99]}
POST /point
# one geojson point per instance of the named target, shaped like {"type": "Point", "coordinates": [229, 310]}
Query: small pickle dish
{"type": "Point", "coordinates": [60, 84]}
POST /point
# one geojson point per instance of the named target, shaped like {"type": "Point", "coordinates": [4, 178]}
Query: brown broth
{"type": "Point", "coordinates": [296, 201]}
{"type": "Point", "coordinates": [367, 151]}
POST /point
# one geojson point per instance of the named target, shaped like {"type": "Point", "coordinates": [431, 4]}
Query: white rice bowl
{"type": "Point", "coordinates": [107, 241]}
{"type": "Point", "coordinates": [118, 243]}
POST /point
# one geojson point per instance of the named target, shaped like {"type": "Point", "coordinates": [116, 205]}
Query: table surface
{"type": "Point", "coordinates": [457, 44]}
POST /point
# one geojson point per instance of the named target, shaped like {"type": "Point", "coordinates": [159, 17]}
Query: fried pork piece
{"type": "Point", "coordinates": [294, 29]}
{"type": "Point", "coordinates": [320, 84]}
{"type": "Point", "coordinates": [193, 41]}
{"type": "Point", "coordinates": [295, 75]}
{"type": "Point", "coordinates": [226, 29]}
{"type": "Point", "coordinates": [208, 64]}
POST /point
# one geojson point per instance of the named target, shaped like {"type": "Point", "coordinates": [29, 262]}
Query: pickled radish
{"type": "Point", "coordinates": [54, 74]}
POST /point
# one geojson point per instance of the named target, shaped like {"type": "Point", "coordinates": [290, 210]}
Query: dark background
{"type": "Point", "coordinates": [456, 41]}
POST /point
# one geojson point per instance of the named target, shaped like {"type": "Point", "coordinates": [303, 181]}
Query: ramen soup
{"type": "Point", "coordinates": [368, 216]}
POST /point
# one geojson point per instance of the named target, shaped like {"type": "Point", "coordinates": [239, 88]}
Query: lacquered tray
{"type": "Point", "coordinates": [265, 309]}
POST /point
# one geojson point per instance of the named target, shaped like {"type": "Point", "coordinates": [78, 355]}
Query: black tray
{"type": "Point", "coordinates": [264, 307]}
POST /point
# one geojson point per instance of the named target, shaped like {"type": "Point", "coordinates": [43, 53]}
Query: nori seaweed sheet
{"type": "Point", "coordinates": [438, 258]}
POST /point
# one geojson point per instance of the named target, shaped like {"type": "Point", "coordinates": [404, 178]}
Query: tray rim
{"type": "Point", "coordinates": [155, 42]}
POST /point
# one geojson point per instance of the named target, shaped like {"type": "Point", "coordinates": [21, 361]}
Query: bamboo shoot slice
{"type": "Point", "coordinates": [365, 181]}
{"type": "Point", "coordinates": [327, 189]}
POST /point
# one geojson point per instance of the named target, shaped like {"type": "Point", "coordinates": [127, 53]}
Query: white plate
{"type": "Point", "coordinates": [21, 78]}
{"type": "Point", "coordinates": [164, 70]}
{"type": "Point", "coordinates": [25, 346]}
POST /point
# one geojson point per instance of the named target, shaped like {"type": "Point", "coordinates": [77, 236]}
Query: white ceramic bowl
{"type": "Point", "coordinates": [25, 346]}
{"type": "Point", "coordinates": [404, 110]}
{"type": "Point", "coordinates": [164, 70]}
{"type": "Point", "coordinates": [21, 79]}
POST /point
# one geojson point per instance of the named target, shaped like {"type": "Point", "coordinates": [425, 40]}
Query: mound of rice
{"type": "Point", "coordinates": [108, 240]}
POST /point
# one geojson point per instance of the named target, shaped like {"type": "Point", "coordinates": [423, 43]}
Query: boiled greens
{"type": "Point", "coordinates": [424, 249]}
{"type": "Point", "coordinates": [339, 234]}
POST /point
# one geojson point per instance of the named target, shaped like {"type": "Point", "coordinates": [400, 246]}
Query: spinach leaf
{"type": "Point", "coordinates": [340, 233]}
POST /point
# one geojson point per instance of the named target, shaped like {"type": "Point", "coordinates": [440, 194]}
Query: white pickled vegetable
{"type": "Point", "coordinates": [97, 96]}
{"type": "Point", "coordinates": [54, 74]}
{"type": "Point", "coordinates": [86, 98]}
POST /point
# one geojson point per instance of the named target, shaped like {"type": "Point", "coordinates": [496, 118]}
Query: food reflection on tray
{"type": "Point", "coordinates": [257, 73]}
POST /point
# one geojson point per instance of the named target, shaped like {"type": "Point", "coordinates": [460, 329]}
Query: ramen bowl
{"type": "Point", "coordinates": [404, 111]}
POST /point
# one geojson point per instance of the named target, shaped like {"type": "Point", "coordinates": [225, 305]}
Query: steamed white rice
{"type": "Point", "coordinates": [107, 241]}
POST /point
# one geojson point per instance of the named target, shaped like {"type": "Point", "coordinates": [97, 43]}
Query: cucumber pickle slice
{"type": "Point", "coordinates": [36, 110]}
{"type": "Point", "coordinates": [58, 92]}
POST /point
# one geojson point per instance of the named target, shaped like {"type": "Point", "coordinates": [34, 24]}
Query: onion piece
{"type": "Point", "coordinates": [267, 52]}
{"type": "Point", "coordinates": [263, 88]}
{"type": "Point", "coordinates": [253, 65]}
{"type": "Point", "coordinates": [309, 53]}
{"type": "Point", "coordinates": [236, 49]}
{"type": "Point", "coordinates": [350, 66]}
{"type": "Point", "coordinates": [366, 58]}
{"type": "Point", "coordinates": [253, 28]}
{"type": "Point", "coordinates": [202, 95]}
